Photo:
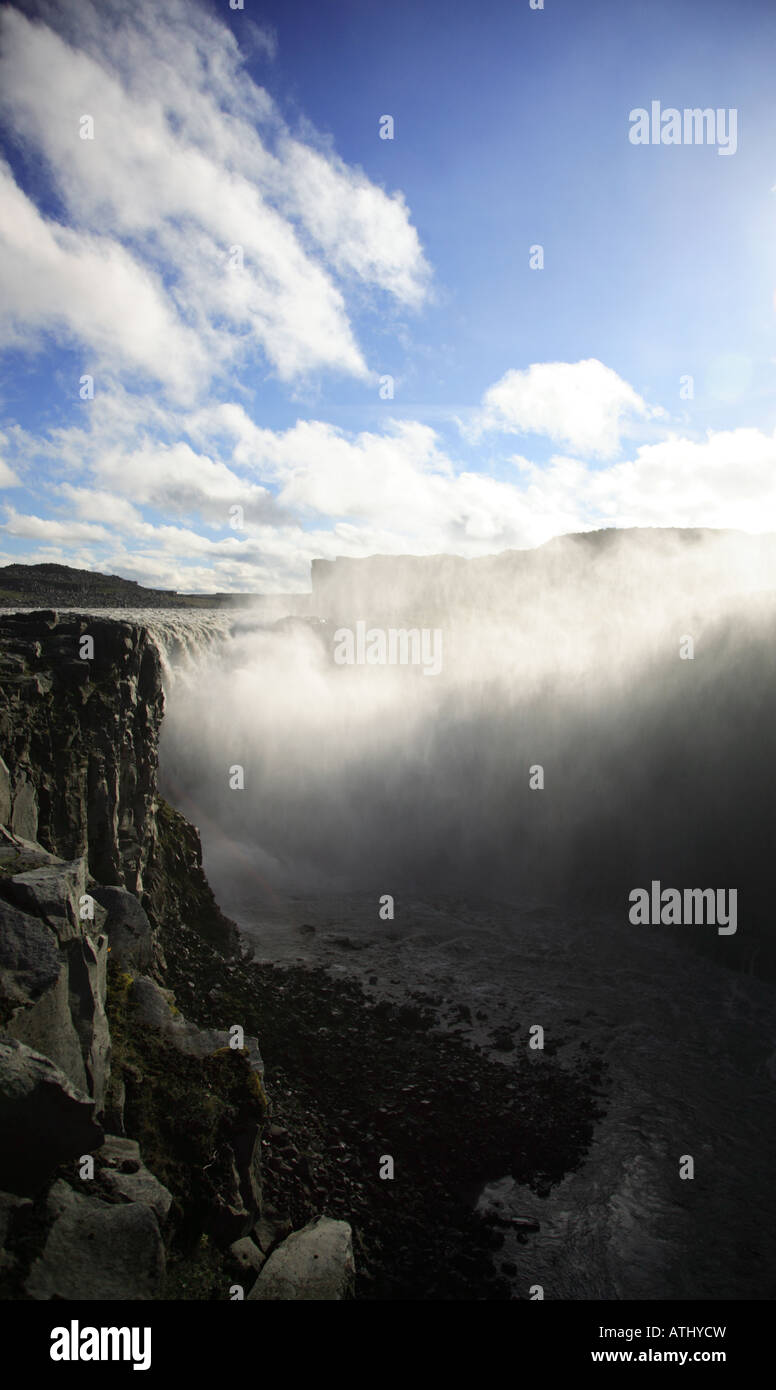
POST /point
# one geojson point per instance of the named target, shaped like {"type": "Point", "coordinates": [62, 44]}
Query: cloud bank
{"type": "Point", "coordinates": [194, 226]}
{"type": "Point", "coordinates": [197, 245]}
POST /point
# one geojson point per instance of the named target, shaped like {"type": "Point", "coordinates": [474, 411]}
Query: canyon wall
{"type": "Point", "coordinates": [99, 880]}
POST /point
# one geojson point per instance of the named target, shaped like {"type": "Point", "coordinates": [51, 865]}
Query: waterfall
{"type": "Point", "coordinates": [184, 636]}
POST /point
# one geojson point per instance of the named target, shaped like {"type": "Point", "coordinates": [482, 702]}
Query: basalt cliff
{"type": "Point", "coordinates": [130, 1135]}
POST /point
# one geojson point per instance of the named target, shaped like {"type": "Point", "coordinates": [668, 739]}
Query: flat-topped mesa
{"type": "Point", "coordinates": [623, 564]}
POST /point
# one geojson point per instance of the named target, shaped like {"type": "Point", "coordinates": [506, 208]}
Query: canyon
{"type": "Point", "coordinates": [366, 1036]}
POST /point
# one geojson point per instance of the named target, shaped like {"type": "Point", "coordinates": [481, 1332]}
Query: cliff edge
{"type": "Point", "coordinates": [97, 876]}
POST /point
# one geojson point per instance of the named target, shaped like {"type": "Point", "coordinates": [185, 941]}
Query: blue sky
{"type": "Point", "coordinates": [237, 428]}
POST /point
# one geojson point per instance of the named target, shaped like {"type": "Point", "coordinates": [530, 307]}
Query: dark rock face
{"type": "Point", "coordinates": [176, 887]}
{"type": "Point", "coordinates": [53, 892]}
{"type": "Point", "coordinates": [79, 737]}
{"type": "Point", "coordinates": [127, 927]}
{"type": "Point", "coordinates": [79, 766]}
{"type": "Point", "coordinates": [29, 959]}
{"type": "Point", "coordinates": [53, 971]}
{"type": "Point", "coordinates": [97, 871]}
{"type": "Point", "coordinates": [43, 1118]}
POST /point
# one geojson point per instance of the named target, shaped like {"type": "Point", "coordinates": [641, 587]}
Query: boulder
{"type": "Point", "coordinates": [156, 1010]}
{"type": "Point", "coordinates": [268, 1233]}
{"type": "Point", "coordinates": [53, 892]}
{"type": "Point", "coordinates": [24, 815]}
{"type": "Point", "coordinates": [58, 991]}
{"type": "Point", "coordinates": [18, 856]}
{"type": "Point", "coordinates": [140, 1187]}
{"type": "Point", "coordinates": [47, 1027]}
{"type": "Point", "coordinates": [44, 1120]}
{"type": "Point", "coordinates": [315, 1263]}
{"type": "Point", "coordinates": [239, 1199]}
{"type": "Point", "coordinates": [127, 926]}
{"type": "Point", "coordinates": [125, 1175]}
{"type": "Point", "coordinates": [120, 1153]}
{"type": "Point", "coordinates": [97, 1250]}
{"type": "Point", "coordinates": [245, 1257]}
{"type": "Point", "coordinates": [29, 957]}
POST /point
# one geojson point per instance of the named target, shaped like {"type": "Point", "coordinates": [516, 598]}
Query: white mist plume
{"type": "Point", "coordinates": [567, 657]}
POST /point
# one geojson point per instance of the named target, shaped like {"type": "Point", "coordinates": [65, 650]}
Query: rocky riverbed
{"type": "Point", "coordinates": [655, 1051]}
{"type": "Point", "coordinates": [354, 1078]}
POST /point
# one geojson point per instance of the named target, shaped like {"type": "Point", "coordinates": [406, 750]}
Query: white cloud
{"type": "Point", "coordinates": [90, 289]}
{"type": "Point", "coordinates": [136, 485]}
{"type": "Point", "coordinates": [392, 492]}
{"type": "Point", "coordinates": [7, 476]}
{"type": "Point", "coordinates": [44, 529]}
{"type": "Point", "coordinates": [175, 478]}
{"type": "Point", "coordinates": [726, 479]}
{"type": "Point", "coordinates": [581, 405]}
{"type": "Point", "coordinates": [357, 225]}
{"type": "Point", "coordinates": [88, 503]}
{"type": "Point", "coordinates": [182, 167]}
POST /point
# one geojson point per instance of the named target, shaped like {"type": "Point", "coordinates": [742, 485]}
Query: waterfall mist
{"type": "Point", "coordinates": [381, 777]}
